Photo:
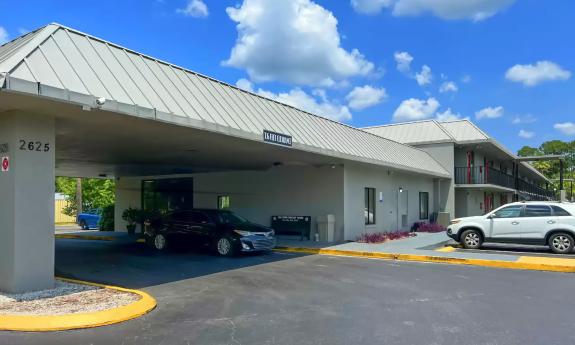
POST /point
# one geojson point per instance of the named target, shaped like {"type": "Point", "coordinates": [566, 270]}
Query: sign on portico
{"type": "Point", "coordinates": [277, 138]}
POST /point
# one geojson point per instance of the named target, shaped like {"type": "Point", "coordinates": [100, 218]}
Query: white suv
{"type": "Point", "coordinates": [541, 223]}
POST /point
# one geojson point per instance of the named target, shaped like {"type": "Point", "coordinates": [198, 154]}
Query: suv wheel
{"type": "Point", "coordinates": [225, 247]}
{"type": "Point", "coordinates": [471, 239]}
{"type": "Point", "coordinates": [160, 242]}
{"type": "Point", "coordinates": [561, 243]}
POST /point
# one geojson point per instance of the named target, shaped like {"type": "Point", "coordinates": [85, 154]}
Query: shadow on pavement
{"type": "Point", "coordinates": [135, 265]}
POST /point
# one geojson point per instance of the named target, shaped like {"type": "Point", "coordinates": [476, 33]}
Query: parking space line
{"type": "Point", "coordinates": [446, 249]}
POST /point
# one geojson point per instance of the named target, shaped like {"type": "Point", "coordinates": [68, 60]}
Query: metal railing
{"type": "Point", "coordinates": [489, 175]}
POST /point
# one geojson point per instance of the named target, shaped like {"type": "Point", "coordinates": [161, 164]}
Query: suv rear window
{"type": "Point", "coordinates": [558, 211]}
{"type": "Point", "coordinates": [537, 211]}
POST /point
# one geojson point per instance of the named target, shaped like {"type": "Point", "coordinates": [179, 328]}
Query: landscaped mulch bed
{"type": "Point", "coordinates": [65, 298]}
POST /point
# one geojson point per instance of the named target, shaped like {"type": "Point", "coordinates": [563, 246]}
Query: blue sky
{"type": "Point", "coordinates": [506, 64]}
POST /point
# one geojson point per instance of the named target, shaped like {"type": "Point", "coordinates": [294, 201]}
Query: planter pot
{"type": "Point", "coordinates": [131, 229]}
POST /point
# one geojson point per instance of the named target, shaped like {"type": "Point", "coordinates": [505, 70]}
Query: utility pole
{"type": "Point", "coordinates": [79, 195]}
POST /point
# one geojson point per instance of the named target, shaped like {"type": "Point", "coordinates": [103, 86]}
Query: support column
{"type": "Point", "coordinates": [27, 202]}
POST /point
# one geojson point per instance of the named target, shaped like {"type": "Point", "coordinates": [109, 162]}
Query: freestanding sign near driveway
{"type": "Point", "coordinates": [5, 163]}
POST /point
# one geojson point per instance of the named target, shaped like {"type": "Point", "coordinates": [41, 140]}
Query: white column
{"type": "Point", "coordinates": [27, 202]}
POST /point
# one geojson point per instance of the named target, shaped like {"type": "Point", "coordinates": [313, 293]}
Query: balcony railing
{"type": "Point", "coordinates": [488, 175]}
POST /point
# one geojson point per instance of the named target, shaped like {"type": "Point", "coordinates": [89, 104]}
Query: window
{"type": "Point", "coordinates": [200, 218]}
{"type": "Point", "coordinates": [423, 205]}
{"type": "Point", "coordinates": [537, 211]}
{"type": "Point", "coordinates": [223, 202]}
{"type": "Point", "coordinates": [508, 212]}
{"type": "Point", "coordinates": [558, 211]}
{"type": "Point", "coordinates": [369, 212]}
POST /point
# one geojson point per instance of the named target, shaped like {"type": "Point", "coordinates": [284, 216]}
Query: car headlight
{"type": "Point", "coordinates": [455, 221]}
{"type": "Point", "coordinates": [243, 233]}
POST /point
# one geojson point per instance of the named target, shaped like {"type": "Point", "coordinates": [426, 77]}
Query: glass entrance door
{"type": "Point", "coordinates": [168, 194]}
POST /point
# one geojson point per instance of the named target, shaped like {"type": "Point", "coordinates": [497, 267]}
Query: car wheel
{"type": "Point", "coordinates": [561, 243]}
{"type": "Point", "coordinates": [471, 239]}
{"type": "Point", "coordinates": [160, 242]}
{"type": "Point", "coordinates": [84, 225]}
{"type": "Point", "coordinates": [225, 247]}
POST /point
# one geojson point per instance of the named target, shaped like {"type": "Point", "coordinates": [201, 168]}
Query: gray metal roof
{"type": "Point", "coordinates": [418, 132]}
{"type": "Point", "coordinates": [432, 131]}
{"type": "Point", "coordinates": [63, 63]}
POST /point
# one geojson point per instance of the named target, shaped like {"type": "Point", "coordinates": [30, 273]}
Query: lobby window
{"type": "Point", "coordinates": [223, 202]}
{"type": "Point", "coordinates": [423, 205]}
{"type": "Point", "coordinates": [369, 212]}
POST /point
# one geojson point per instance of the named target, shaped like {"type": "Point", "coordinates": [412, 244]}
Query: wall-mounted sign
{"type": "Point", "coordinates": [4, 164]}
{"type": "Point", "coordinates": [277, 138]}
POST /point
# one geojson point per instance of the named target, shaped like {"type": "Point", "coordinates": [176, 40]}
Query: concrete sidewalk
{"type": "Point", "coordinates": [430, 247]}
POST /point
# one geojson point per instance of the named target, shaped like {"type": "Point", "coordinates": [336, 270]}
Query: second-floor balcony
{"type": "Point", "coordinates": [492, 176]}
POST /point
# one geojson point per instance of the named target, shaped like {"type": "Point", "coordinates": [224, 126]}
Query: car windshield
{"type": "Point", "coordinates": [230, 218]}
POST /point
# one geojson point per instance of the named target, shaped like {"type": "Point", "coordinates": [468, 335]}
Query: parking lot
{"type": "Point", "coordinates": [281, 298]}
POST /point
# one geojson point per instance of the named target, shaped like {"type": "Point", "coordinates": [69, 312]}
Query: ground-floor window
{"type": "Point", "coordinates": [223, 202]}
{"type": "Point", "coordinates": [423, 205]}
{"type": "Point", "coordinates": [369, 212]}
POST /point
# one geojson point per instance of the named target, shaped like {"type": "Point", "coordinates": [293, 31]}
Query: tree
{"type": "Point", "coordinates": [551, 168]}
{"type": "Point", "coordinates": [96, 193]}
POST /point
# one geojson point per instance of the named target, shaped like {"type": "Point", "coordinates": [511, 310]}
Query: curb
{"type": "Point", "coordinates": [435, 259]}
{"type": "Point", "coordinates": [44, 323]}
{"type": "Point", "coordinates": [85, 237]}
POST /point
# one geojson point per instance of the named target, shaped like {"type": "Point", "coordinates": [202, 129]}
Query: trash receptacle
{"type": "Point", "coordinates": [326, 228]}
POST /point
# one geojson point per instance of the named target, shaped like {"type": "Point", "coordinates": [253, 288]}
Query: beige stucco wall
{"type": "Point", "coordinates": [258, 195]}
{"type": "Point", "coordinates": [444, 192]}
{"type": "Point", "coordinates": [359, 176]}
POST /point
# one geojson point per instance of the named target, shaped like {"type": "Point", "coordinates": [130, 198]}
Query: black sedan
{"type": "Point", "coordinates": [224, 231]}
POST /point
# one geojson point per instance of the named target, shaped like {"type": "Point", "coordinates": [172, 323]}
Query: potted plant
{"type": "Point", "coordinates": [131, 216]}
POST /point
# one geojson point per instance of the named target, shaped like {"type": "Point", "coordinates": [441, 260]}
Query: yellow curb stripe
{"type": "Point", "coordinates": [521, 265]}
{"type": "Point", "coordinates": [44, 323]}
{"type": "Point", "coordinates": [447, 249]}
{"type": "Point", "coordinates": [546, 260]}
{"type": "Point", "coordinates": [85, 237]}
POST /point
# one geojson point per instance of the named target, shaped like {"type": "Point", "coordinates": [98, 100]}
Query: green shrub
{"type": "Point", "coordinates": [107, 218]}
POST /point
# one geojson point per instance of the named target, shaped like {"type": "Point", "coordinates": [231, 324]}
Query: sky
{"type": "Point", "coordinates": [507, 65]}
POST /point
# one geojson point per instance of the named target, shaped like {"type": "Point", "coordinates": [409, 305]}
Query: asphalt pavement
{"type": "Point", "coordinates": [283, 298]}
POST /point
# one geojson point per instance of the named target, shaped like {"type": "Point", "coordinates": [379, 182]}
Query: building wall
{"type": "Point", "coordinates": [470, 201]}
{"type": "Point", "coordinates": [444, 192]}
{"type": "Point", "coordinates": [258, 195]}
{"type": "Point", "coordinates": [358, 176]}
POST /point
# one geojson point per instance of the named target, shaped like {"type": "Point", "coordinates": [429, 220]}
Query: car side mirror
{"type": "Point", "coordinates": [491, 216]}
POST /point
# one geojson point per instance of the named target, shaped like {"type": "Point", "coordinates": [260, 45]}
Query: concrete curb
{"type": "Point", "coordinates": [45, 323]}
{"type": "Point", "coordinates": [85, 237]}
{"type": "Point", "coordinates": [436, 259]}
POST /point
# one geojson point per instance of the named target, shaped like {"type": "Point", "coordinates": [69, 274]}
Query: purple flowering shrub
{"type": "Point", "coordinates": [380, 237]}
{"type": "Point", "coordinates": [429, 227]}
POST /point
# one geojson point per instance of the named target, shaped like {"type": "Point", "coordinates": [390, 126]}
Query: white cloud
{"type": "Point", "coordinates": [195, 8]}
{"type": "Point", "coordinates": [3, 35]}
{"type": "Point", "coordinates": [293, 41]}
{"type": "Point", "coordinates": [403, 61]}
{"type": "Point", "coordinates": [365, 97]}
{"type": "Point", "coordinates": [448, 86]}
{"type": "Point", "coordinates": [370, 6]}
{"type": "Point", "coordinates": [523, 119]}
{"type": "Point", "coordinates": [567, 128]}
{"type": "Point", "coordinates": [533, 74]}
{"type": "Point", "coordinates": [525, 134]}
{"type": "Point", "coordinates": [475, 10]}
{"type": "Point", "coordinates": [424, 77]}
{"type": "Point", "coordinates": [415, 109]}
{"type": "Point", "coordinates": [318, 105]}
{"type": "Point", "coordinates": [245, 84]}
{"type": "Point", "coordinates": [448, 115]}
{"type": "Point", "coordinates": [466, 79]}
{"type": "Point", "coordinates": [489, 113]}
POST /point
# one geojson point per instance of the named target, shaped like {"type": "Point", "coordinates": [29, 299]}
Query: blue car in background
{"type": "Point", "coordinates": [89, 219]}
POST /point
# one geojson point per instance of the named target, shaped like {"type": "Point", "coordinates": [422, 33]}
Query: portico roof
{"type": "Point", "coordinates": [63, 64]}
